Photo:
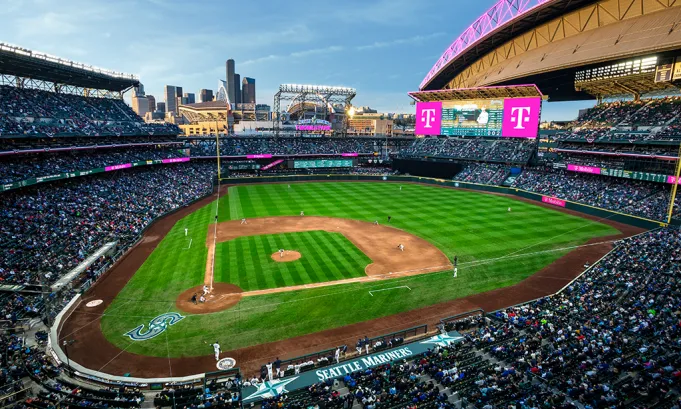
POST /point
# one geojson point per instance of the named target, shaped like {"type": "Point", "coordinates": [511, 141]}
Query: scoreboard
{"type": "Point", "coordinates": [322, 163]}
{"type": "Point", "coordinates": [472, 117]}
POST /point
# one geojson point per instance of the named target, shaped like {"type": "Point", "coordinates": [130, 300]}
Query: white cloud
{"type": "Point", "coordinates": [399, 41]}
{"type": "Point", "coordinates": [317, 51]}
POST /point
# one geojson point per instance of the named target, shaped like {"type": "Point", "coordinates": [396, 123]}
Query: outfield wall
{"type": "Point", "coordinates": [559, 203]}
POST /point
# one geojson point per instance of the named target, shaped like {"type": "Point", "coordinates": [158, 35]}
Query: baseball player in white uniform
{"type": "Point", "coordinates": [302, 213]}
{"type": "Point", "coordinates": [269, 371]}
{"type": "Point", "coordinates": [216, 349]}
{"type": "Point", "coordinates": [205, 289]}
{"type": "Point", "coordinates": [401, 247]}
{"type": "Point", "coordinates": [186, 230]}
{"type": "Point", "coordinates": [336, 355]}
{"type": "Point", "coordinates": [509, 209]}
{"type": "Point", "coordinates": [456, 271]}
{"type": "Point", "coordinates": [243, 221]}
{"type": "Point", "coordinates": [281, 253]}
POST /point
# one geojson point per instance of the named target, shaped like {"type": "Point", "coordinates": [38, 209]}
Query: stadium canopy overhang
{"type": "Point", "coordinates": [23, 63]}
{"type": "Point", "coordinates": [501, 23]}
{"type": "Point", "coordinates": [510, 91]}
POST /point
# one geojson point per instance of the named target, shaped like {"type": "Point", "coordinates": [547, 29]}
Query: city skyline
{"type": "Point", "coordinates": [382, 48]}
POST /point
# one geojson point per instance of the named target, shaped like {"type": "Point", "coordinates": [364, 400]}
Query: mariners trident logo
{"type": "Point", "coordinates": [156, 326]}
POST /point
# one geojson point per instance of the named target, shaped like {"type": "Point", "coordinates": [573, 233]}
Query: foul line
{"type": "Point", "coordinates": [386, 289]}
{"type": "Point", "coordinates": [190, 244]}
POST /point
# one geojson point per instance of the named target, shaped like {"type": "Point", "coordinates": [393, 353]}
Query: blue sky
{"type": "Point", "coordinates": [383, 48]}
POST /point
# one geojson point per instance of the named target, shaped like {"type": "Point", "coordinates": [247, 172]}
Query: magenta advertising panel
{"type": "Point", "coordinates": [175, 160]}
{"type": "Point", "coordinates": [428, 118]}
{"type": "Point", "coordinates": [118, 167]}
{"type": "Point", "coordinates": [521, 117]}
{"type": "Point", "coordinates": [350, 154]}
{"type": "Point", "coordinates": [271, 165]}
{"type": "Point", "coordinates": [584, 169]}
{"type": "Point", "coordinates": [553, 201]}
{"type": "Point", "coordinates": [259, 156]}
{"type": "Point", "coordinates": [670, 179]}
{"type": "Point", "coordinates": [313, 127]}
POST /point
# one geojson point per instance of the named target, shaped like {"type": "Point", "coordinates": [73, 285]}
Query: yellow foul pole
{"type": "Point", "coordinates": [675, 186]}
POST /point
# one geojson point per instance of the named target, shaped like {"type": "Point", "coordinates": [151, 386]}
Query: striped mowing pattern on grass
{"type": "Point", "coordinates": [326, 256]}
{"type": "Point", "coordinates": [471, 225]}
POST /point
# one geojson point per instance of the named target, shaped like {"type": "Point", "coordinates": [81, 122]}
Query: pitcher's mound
{"type": "Point", "coordinates": [289, 255]}
{"type": "Point", "coordinates": [222, 297]}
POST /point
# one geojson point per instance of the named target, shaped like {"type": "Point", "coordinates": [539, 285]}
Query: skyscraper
{"type": "Point", "coordinates": [237, 88]}
{"type": "Point", "coordinates": [140, 104]}
{"type": "Point", "coordinates": [230, 81]}
{"type": "Point", "coordinates": [161, 107]}
{"type": "Point", "coordinates": [170, 96]}
{"type": "Point", "coordinates": [191, 98]}
{"type": "Point", "coordinates": [248, 90]}
{"type": "Point", "coordinates": [205, 95]}
{"type": "Point", "coordinates": [152, 103]}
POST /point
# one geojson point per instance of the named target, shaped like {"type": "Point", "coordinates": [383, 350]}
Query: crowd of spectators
{"type": "Point", "coordinates": [614, 336]}
{"type": "Point", "coordinates": [656, 112]}
{"type": "Point", "coordinates": [233, 146]}
{"type": "Point", "coordinates": [636, 197]}
{"type": "Point", "coordinates": [611, 339]}
{"type": "Point", "coordinates": [33, 112]}
{"type": "Point", "coordinates": [45, 231]}
{"type": "Point", "coordinates": [20, 144]}
{"type": "Point", "coordinates": [495, 150]}
{"type": "Point", "coordinates": [485, 173]}
{"type": "Point", "coordinates": [223, 394]}
{"type": "Point", "coordinates": [610, 114]}
{"type": "Point", "coordinates": [14, 168]}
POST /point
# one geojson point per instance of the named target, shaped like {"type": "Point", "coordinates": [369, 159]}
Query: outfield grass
{"type": "Point", "coordinates": [495, 249]}
{"type": "Point", "coordinates": [326, 256]}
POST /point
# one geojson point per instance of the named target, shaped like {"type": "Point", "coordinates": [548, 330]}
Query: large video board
{"type": "Point", "coordinates": [508, 118]}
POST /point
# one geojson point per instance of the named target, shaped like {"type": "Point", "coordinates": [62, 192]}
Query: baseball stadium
{"type": "Point", "coordinates": [486, 259]}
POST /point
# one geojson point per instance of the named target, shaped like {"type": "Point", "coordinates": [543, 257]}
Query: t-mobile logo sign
{"type": "Point", "coordinates": [521, 117]}
{"type": "Point", "coordinates": [428, 118]}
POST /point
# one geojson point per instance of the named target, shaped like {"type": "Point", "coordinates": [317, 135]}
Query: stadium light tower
{"type": "Point", "coordinates": [324, 95]}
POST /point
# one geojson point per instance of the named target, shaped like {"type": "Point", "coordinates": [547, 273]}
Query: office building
{"type": "Point", "coordinates": [170, 97]}
{"type": "Point", "coordinates": [140, 105]}
{"type": "Point", "coordinates": [191, 97]}
{"type": "Point", "coordinates": [237, 88]}
{"type": "Point", "coordinates": [230, 81]}
{"type": "Point", "coordinates": [248, 90]}
{"type": "Point", "coordinates": [161, 107]}
{"type": "Point", "coordinates": [205, 95]}
{"type": "Point", "coordinates": [152, 103]}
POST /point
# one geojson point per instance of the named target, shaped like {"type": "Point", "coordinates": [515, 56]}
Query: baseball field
{"type": "Point", "coordinates": [339, 267]}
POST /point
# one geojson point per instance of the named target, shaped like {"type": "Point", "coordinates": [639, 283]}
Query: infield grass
{"type": "Point", "coordinates": [495, 249]}
{"type": "Point", "coordinates": [246, 261]}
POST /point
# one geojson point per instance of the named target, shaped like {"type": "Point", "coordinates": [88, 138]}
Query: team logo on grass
{"type": "Point", "coordinates": [156, 326]}
{"type": "Point", "coordinates": [225, 364]}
